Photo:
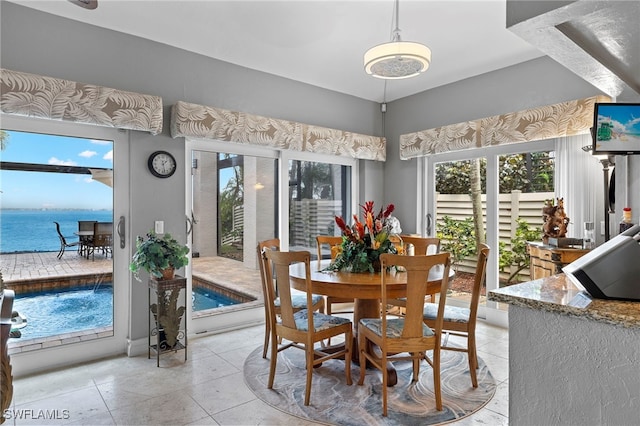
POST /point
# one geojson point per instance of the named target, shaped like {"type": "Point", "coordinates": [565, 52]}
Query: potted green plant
{"type": "Point", "coordinates": [159, 255]}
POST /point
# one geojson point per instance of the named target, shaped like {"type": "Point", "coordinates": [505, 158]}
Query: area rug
{"type": "Point", "coordinates": [334, 402]}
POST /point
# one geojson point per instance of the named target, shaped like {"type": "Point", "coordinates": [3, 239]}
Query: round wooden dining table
{"type": "Point", "coordinates": [364, 288]}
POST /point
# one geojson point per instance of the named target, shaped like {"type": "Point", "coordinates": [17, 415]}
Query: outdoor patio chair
{"type": "Point", "coordinates": [63, 242]}
{"type": "Point", "coordinates": [85, 226]}
{"type": "Point", "coordinates": [407, 337]}
{"type": "Point", "coordinates": [102, 240]}
{"type": "Point", "coordinates": [459, 321]}
{"type": "Point", "coordinates": [304, 328]}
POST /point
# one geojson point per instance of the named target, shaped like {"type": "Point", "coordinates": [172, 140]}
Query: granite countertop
{"type": "Point", "coordinates": [558, 294]}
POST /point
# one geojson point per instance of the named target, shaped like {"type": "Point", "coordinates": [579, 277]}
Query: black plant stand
{"type": "Point", "coordinates": [160, 346]}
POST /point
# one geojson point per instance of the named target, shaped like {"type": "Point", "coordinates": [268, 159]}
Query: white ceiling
{"type": "Point", "coordinates": [320, 42]}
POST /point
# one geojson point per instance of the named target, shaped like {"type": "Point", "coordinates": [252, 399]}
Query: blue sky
{"type": "Point", "coordinates": [35, 190]}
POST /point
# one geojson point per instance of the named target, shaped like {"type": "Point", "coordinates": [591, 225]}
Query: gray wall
{"type": "Point", "coordinates": [40, 43]}
{"type": "Point", "coordinates": [36, 42]}
{"type": "Point", "coordinates": [530, 84]}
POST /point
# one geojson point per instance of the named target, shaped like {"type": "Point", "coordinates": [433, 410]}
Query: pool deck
{"type": "Point", "coordinates": [28, 267]}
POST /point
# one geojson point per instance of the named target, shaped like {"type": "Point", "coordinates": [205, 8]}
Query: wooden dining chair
{"type": "Point", "coordinates": [395, 337]}
{"type": "Point", "coordinates": [331, 241]}
{"type": "Point", "coordinates": [458, 321]}
{"type": "Point", "coordinates": [299, 298]}
{"type": "Point", "coordinates": [64, 244]}
{"type": "Point", "coordinates": [304, 328]}
{"type": "Point", "coordinates": [421, 246]}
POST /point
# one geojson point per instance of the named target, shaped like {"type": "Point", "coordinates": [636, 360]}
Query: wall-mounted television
{"type": "Point", "coordinates": [616, 129]}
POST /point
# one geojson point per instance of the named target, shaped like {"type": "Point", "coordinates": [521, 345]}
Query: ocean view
{"type": "Point", "coordinates": [33, 230]}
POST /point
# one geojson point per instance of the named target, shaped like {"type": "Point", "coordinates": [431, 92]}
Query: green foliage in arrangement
{"type": "Point", "coordinates": [517, 256]}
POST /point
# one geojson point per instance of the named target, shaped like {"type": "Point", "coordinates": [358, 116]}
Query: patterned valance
{"type": "Point", "coordinates": [205, 122]}
{"type": "Point", "coordinates": [46, 97]}
{"type": "Point", "coordinates": [552, 121]}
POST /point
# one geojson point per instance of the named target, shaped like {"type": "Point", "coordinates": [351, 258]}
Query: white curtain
{"type": "Point", "coordinates": [579, 180]}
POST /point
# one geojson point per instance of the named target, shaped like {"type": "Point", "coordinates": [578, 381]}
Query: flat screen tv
{"type": "Point", "coordinates": [616, 129]}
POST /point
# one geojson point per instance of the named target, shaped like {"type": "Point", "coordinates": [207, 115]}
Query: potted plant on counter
{"type": "Point", "coordinates": [160, 256]}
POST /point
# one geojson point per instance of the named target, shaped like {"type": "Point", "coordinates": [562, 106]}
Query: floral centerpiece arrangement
{"type": "Point", "coordinates": [364, 242]}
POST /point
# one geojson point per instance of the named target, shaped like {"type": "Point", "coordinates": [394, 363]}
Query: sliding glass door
{"type": "Point", "coordinates": [494, 195]}
{"type": "Point", "coordinates": [60, 180]}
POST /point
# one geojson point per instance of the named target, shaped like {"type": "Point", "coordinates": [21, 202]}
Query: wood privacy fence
{"type": "Point", "coordinates": [513, 206]}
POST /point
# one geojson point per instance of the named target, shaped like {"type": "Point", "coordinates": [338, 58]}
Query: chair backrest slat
{"type": "Point", "coordinates": [418, 269]}
{"type": "Point", "coordinates": [278, 263]}
{"type": "Point", "coordinates": [479, 280]}
{"type": "Point", "coordinates": [422, 245]}
{"type": "Point", "coordinates": [329, 240]}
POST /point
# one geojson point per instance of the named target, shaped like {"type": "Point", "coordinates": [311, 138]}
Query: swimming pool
{"type": "Point", "coordinates": [72, 309]}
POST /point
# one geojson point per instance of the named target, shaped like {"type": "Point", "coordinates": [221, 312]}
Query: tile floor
{"type": "Point", "coordinates": [208, 389]}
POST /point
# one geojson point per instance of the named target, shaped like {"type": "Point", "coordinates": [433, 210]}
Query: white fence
{"type": "Point", "coordinates": [511, 207]}
{"type": "Point", "coordinates": [235, 234]}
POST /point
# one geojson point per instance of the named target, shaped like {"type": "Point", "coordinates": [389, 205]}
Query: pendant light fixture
{"type": "Point", "coordinates": [397, 59]}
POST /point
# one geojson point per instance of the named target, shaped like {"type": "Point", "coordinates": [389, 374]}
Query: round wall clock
{"type": "Point", "coordinates": [162, 164]}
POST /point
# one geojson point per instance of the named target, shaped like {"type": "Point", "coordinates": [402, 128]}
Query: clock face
{"type": "Point", "coordinates": [162, 164]}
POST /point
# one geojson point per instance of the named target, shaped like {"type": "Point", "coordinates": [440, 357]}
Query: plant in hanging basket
{"type": "Point", "coordinates": [155, 254]}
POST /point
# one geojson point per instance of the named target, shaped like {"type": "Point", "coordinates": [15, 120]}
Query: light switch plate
{"type": "Point", "coordinates": [159, 227]}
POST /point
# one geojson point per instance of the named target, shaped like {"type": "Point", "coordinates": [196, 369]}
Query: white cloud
{"type": "Point", "coordinates": [108, 156]}
{"type": "Point", "coordinates": [57, 162]}
{"type": "Point", "coordinates": [87, 154]}
{"type": "Point", "coordinates": [100, 142]}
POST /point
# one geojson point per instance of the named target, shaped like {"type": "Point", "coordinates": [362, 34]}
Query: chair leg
{"type": "Point", "coordinates": [267, 336]}
{"type": "Point", "coordinates": [473, 358]}
{"type": "Point", "coordinates": [309, 363]}
{"type": "Point", "coordinates": [272, 363]}
{"type": "Point", "coordinates": [385, 379]}
{"type": "Point", "coordinates": [436, 379]}
{"type": "Point", "coordinates": [416, 366]}
{"type": "Point", "coordinates": [348, 336]}
{"type": "Point", "coordinates": [363, 360]}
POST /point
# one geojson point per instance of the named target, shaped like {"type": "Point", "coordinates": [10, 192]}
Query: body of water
{"type": "Point", "coordinates": [34, 230]}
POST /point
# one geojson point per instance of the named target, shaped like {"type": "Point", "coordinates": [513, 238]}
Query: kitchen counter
{"type": "Point", "coordinates": [572, 360]}
{"type": "Point", "coordinates": [558, 294]}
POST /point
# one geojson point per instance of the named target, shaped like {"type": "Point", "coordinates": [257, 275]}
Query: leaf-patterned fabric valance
{"type": "Point", "coordinates": [56, 99]}
{"type": "Point", "coordinates": [552, 121]}
{"type": "Point", "coordinates": [205, 122]}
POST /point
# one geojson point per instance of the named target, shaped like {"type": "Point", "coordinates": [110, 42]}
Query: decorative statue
{"type": "Point", "coordinates": [555, 219]}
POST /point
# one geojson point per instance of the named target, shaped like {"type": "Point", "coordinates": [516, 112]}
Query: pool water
{"type": "Point", "coordinates": [54, 312]}
{"type": "Point", "coordinates": [81, 308]}
{"type": "Point", "coordinates": [204, 298]}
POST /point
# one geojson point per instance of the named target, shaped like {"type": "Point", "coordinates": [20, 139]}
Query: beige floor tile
{"type": "Point", "coordinates": [74, 406]}
{"type": "Point", "coordinates": [208, 389]}
{"type": "Point", "coordinates": [175, 408]}
{"type": "Point", "coordinates": [222, 394]}
{"type": "Point", "coordinates": [257, 412]}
